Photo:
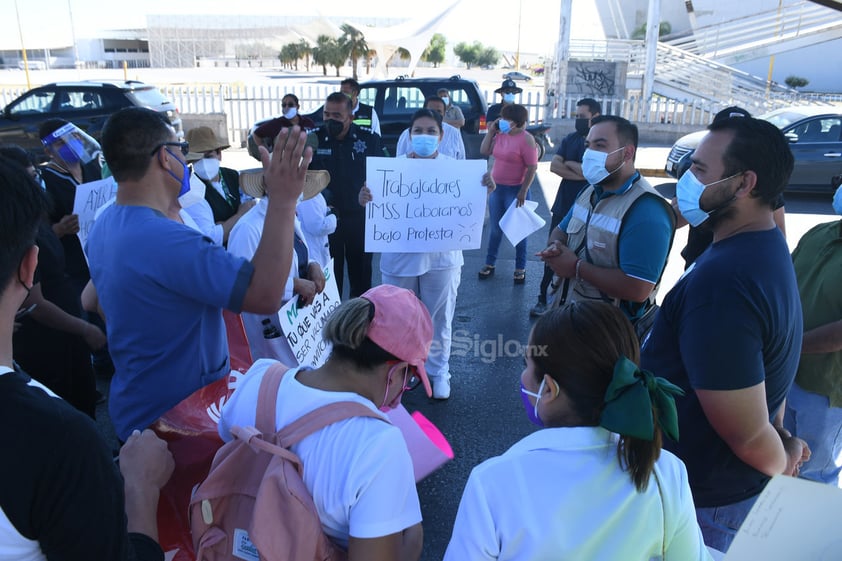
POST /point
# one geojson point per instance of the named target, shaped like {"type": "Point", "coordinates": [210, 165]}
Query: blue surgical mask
{"type": "Point", "coordinates": [689, 191]}
{"type": "Point", "coordinates": [424, 145]}
{"type": "Point", "coordinates": [504, 126]}
{"type": "Point", "coordinates": [837, 200]}
{"type": "Point", "coordinates": [508, 98]}
{"type": "Point", "coordinates": [185, 177]}
{"type": "Point", "coordinates": [593, 165]}
{"type": "Point", "coordinates": [532, 410]}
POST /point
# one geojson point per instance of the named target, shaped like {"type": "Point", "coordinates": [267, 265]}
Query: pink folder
{"type": "Point", "coordinates": [428, 447]}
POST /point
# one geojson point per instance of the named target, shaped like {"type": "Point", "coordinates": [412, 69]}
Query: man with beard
{"type": "Point", "coordinates": [729, 333]}
{"type": "Point", "coordinates": [342, 150]}
{"type": "Point", "coordinates": [613, 243]}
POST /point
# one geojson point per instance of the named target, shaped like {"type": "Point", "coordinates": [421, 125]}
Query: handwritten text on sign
{"type": "Point", "coordinates": [424, 205]}
{"type": "Point", "coordinates": [89, 197]}
{"type": "Point", "coordinates": [302, 327]}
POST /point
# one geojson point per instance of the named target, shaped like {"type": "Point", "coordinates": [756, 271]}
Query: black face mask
{"type": "Point", "coordinates": [334, 127]}
{"type": "Point", "coordinates": [583, 126]}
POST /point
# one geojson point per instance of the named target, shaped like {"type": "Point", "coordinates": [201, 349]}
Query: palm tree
{"type": "Point", "coordinates": [322, 51]}
{"type": "Point", "coordinates": [305, 50]}
{"type": "Point", "coordinates": [353, 44]}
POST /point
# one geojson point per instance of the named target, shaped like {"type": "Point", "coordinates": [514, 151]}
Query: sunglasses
{"type": "Point", "coordinates": [185, 147]}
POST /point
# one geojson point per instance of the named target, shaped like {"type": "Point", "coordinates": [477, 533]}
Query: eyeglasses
{"type": "Point", "coordinates": [410, 382]}
{"type": "Point", "coordinates": [185, 147]}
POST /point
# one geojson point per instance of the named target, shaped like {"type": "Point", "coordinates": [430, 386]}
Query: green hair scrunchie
{"type": "Point", "coordinates": [629, 399]}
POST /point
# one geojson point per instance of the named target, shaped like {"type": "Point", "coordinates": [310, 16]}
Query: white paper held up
{"type": "Point", "coordinates": [519, 222]}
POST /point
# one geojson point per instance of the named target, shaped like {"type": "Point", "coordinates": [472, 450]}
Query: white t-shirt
{"type": "Point", "coordinates": [560, 494]}
{"type": "Point", "coordinates": [358, 470]}
{"type": "Point", "coordinates": [242, 242]}
{"type": "Point", "coordinates": [416, 264]}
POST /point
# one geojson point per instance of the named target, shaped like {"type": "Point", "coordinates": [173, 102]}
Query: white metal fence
{"type": "Point", "coordinates": [244, 105]}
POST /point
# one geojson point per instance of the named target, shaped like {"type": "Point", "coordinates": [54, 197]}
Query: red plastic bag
{"type": "Point", "coordinates": [190, 430]}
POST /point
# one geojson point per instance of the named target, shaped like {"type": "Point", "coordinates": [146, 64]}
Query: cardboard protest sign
{"type": "Point", "coordinates": [421, 205]}
{"type": "Point", "coordinates": [302, 327]}
{"type": "Point", "coordinates": [89, 198]}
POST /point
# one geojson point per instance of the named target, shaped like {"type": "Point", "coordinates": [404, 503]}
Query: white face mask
{"type": "Point", "coordinates": [207, 168]}
{"type": "Point", "coordinates": [195, 194]}
{"type": "Point", "coordinates": [593, 165]}
{"type": "Point", "coordinates": [290, 113]}
{"type": "Point", "coordinates": [445, 99]}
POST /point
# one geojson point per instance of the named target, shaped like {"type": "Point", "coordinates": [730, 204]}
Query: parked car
{"type": "Point", "coordinates": [815, 137]}
{"type": "Point", "coordinates": [397, 99]}
{"type": "Point", "coordinates": [86, 104]}
{"type": "Point", "coordinates": [517, 76]}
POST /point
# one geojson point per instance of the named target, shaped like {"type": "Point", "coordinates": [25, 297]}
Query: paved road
{"type": "Point", "coordinates": [485, 416]}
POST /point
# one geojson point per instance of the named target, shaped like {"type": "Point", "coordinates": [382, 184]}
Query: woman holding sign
{"type": "Point", "coordinates": [515, 163]}
{"type": "Point", "coordinates": [433, 276]}
{"type": "Point", "coordinates": [593, 483]}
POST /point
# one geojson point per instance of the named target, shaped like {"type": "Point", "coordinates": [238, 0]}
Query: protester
{"type": "Point", "coordinates": [515, 163]}
{"type": "Point", "coordinates": [451, 143]}
{"type": "Point", "coordinates": [507, 90]}
{"type": "Point", "coordinates": [264, 135]}
{"type": "Point", "coordinates": [729, 333]}
{"type": "Point", "coordinates": [61, 494]}
{"type": "Point", "coordinates": [161, 284]}
{"type": "Point", "coordinates": [317, 223]}
{"type": "Point", "coordinates": [594, 483]}
{"type": "Point", "coordinates": [54, 343]}
{"type": "Point", "coordinates": [360, 473]}
{"type": "Point", "coordinates": [433, 276]}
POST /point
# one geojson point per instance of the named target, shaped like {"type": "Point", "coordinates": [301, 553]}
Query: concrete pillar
{"type": "Point", "coordinates": [653, 24]}
{"type": "Point", "coordinates": [559, 79]}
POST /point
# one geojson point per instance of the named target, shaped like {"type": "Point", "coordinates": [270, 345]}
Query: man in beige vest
{"type": "Point", "coordinates": [613, 244]}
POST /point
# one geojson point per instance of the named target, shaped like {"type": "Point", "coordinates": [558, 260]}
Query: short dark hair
{"type": "Point", "coordinates": [516, 113]}
{"type": "Point", "coordinates": [16, 154]}
{"type": "Point", "coordinates": [22, 204]}
{"type": "Point", "coordinates": [339, 97]}
{"type": "Point", "coordinates": [435, 115]}
{"type": "Point", "coordinates": [294, 98]}
{"type": "Point", "coordinates": [626, 130]}
{"type": "Point", "coordinates": [50, 126]}
{"type": "Point", "coordinates": [593, 105]}
{"type": "Point", "coordinates": [433, 98]}
{"type": "Point", "coordinates": [761, 147]}
{"type": "Point", "coordinates": [355, 86]}
{"type": "Point", "coordinates": [128, 139]}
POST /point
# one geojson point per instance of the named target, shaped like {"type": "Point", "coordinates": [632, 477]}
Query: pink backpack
{"type": "Point", "coordinates": [254, 505]}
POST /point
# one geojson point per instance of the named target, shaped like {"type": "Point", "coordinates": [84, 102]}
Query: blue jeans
{"type": "Point", "coordinates": [810, 417]}
{"type": "Point", "coordinates": [498, 203]}
{"type": "Point", "coordinates": [719, 524]}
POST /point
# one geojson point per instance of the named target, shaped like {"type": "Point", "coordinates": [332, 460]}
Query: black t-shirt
{"type": "Point", "coordinates": [572, 148]}
{"type": "Point", "coordinates": [59, 484]}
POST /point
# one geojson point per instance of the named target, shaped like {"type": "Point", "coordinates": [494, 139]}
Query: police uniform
{"type": "Point", "coordinates": [365, 117]}
{"type": "Point", "coordinates": [345, 160]}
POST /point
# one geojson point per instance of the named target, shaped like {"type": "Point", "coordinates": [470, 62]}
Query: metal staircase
{"type": "Point", "coordinates": [763, 34]}
{"type": "Point", "coordinates": [695, 66]}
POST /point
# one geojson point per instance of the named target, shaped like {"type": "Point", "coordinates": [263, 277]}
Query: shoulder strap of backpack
{"type": "Point", "coordinates": [322, 417]}
{"type": "Point", "coordinates": [267, 397]}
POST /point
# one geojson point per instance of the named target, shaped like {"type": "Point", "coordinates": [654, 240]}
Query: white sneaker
{"type": "Point", "coordinates": [441, 388]}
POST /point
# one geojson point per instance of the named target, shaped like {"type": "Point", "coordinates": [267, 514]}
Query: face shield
{"type": "Point", "coordinates": [69, 145]}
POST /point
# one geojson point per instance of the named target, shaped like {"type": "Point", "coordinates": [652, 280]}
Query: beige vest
{"type": "Point", "coordinates": [593, 232]}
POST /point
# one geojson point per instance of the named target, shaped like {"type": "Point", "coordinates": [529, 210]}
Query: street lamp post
{"type": "Point", "coordinates": [23, 48]}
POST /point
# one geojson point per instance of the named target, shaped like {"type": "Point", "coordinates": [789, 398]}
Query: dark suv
{"type": "Point", "coordinates": [396, 100]}
{"type": "Point", "coordinates": [86, 104]}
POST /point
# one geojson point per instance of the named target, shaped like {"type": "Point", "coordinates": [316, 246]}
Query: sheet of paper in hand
{"type": "Point", "coordinates": [423, 205]}
{"type": "Point", "coordinates": [89, 198]}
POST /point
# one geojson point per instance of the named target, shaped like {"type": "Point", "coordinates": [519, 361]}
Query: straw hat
{"type": "Point", "coordinates": [201, 140]}
{"type": "Point", "coordinates": [251, 182]}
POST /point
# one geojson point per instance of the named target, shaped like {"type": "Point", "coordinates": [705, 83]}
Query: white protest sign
{"type": "Point", "coordinates": [89, 198]}
{"type": "Point", "coordinates": [302, 327]}
{"type": "Point", "coordinates": [424, 205]}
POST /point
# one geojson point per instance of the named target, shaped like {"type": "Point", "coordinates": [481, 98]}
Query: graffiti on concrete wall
{"type": "Point", "coordinates": [592, 78]}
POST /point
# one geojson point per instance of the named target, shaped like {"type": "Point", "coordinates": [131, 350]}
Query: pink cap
{"type": "Point", "coordinates": [401, 326]}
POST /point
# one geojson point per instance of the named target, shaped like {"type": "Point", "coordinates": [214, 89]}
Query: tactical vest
{"type": "Point", "coordinates": [593, 233]}
{"type": "Point", "coordinates": [363, 117]}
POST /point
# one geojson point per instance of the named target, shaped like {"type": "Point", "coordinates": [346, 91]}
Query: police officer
{"type": "Point", "coordinates": [364, 115]}
{"type": "Point", "coordinates": [342, 150]}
